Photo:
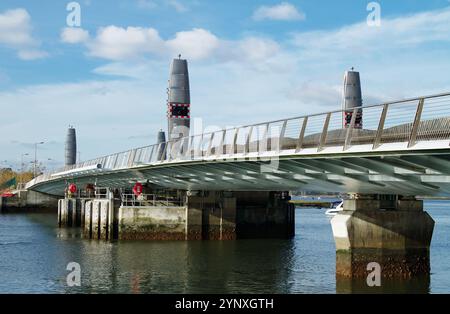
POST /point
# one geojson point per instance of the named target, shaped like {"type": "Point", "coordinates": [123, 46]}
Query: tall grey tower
{"type": "Point", "coordinates": [179, 100]}
{"type": "Point", "coordinates": [352, 97]}
{"type": "Point", "coordinates": [161, 140]}
{"type": "Point", "coordinates": [71, 147]}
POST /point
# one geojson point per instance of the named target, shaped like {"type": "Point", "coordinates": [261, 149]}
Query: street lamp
{"type": "Point", "coordinates": [35, 157]}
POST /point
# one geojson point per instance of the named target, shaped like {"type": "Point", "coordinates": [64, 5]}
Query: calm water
{"type": "Point", "coordinates": [34, 255]}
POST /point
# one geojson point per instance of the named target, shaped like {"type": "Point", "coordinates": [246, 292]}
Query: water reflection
{"type": "Point", "coordinates": [247, 266]}
{"type": "Point", "coordinates": [399, 272]}
{"type": "Point", "coordinates": [414, 285]}
{"type": "Point", "coordinates": [34, 254]}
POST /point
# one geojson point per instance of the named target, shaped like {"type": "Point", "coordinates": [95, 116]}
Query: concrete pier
{"type": "Point", "coordinates": [152, 223]}
{"type": "Point", "coordinates": [27, 200]}
{"type": "Point", "coordinates": [99, 219]}
{"type": "Point", "coordinates": [204, 215]}
{"type": "Point", "coordinates": [395, 233]}
{"type": "Point", "coordinates": [71, 212]}
{"type": "Point", "coordinates": [211, 215]}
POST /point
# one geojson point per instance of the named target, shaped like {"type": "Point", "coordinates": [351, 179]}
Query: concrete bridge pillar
{"type": "Point", "coordinates": [71, 212]}
{"type": "Point", "coordinates": [235, 215]}
{"type": "Point", "coordinates": [211, 216]}
{"type": "Point", "coordinates": [393, 232]}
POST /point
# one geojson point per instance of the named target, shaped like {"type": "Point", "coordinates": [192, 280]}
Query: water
{"type": "Point", "coordinates": [34, 255]}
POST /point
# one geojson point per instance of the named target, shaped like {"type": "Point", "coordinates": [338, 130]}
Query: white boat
{"type": "Point", "coordinates": [334, 211]}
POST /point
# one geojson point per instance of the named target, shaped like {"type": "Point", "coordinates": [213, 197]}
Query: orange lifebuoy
{"type": "Point", "coordinates": [137, 189]}
{"type": "Point", "coordinates": [72, 188]}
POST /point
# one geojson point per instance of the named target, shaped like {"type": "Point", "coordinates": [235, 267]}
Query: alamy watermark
{"type": "Point", "coordinates": [374, 17]}
{"type": "Point", "coordinates": [374, 277]}
{"type": "Point", "coordinates": [74, 17]}
{"type": "Point", "coordinates": [73, 279]}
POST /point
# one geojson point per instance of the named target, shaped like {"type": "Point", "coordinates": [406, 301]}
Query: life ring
{"type": "Point", "coordinates": [72, 188]}
{"type": "Point", "coordinates": [138, 188]}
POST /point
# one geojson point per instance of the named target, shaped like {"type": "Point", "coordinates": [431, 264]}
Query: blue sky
{"type": "Point", "coordinates": [249, 60]}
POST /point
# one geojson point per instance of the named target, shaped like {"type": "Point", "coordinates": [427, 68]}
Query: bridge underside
{"type": "Point", "coordinates": [408, 173]}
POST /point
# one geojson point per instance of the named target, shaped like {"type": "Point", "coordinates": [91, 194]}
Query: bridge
{"type": "Point", "coordinates": [402, 148]}
{"type": "Point", "coordinates": [234, 183]}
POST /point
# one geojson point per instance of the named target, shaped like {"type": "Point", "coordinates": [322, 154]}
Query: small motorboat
{"type": "Point", "coordinates": [335, 210]}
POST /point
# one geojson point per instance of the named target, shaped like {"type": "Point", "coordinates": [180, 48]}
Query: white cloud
{"type": "Point", "coordinates": [31, 54]}
{"type": "Point", "coordinates": [74, 35]}
{"type": "Point", "coordinates": [195, 44]}
{"type": "Point", "coordinates": [16, 33]}
{"type": "Point", "coordinates": [117, 43]}
{"type": "Point", "coordinates": [393, 34]}
{"type": "Point", "coordinates": [282, 12]}
{"type": "Point", "coordinates": [257, 49]}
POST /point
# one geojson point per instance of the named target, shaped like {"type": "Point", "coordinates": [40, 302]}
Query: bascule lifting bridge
{"type": "Point", "coordinates": [235, 181]}
{"type": "Point", "coordinates": [402, 148]}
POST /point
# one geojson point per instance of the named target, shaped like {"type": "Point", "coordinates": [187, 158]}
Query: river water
{"type": "Point", "coordinates": [34, 254]}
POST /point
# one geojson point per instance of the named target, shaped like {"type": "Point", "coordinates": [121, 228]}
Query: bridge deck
{"type": "Point", "coordinates": [402, 148]}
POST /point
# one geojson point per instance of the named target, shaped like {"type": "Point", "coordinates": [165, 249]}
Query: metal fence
{"type": "Point", "coordinates": [419, 119]}
{"type": "Point", "coordinates": [152, 200]}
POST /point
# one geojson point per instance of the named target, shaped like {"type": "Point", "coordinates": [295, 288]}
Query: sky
{"type": "Point", "coordinates": [250, 61]}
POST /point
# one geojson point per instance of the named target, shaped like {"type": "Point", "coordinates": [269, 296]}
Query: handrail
{"type": "Point", "coordinates": [383, 123]}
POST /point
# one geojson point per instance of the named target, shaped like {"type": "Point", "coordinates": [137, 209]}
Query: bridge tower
{"type": "Point", "coordinates": [352, 98]}
{"type": "Point", "coordinates": [71, 147]}
{"type": "Point", "coordinates": [179, 100]}
{"type": "Point", "coordinates": [161, 141]}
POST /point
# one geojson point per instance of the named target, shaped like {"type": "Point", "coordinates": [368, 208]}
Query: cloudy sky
{"type": "Point", "coordinates": [250, 61]}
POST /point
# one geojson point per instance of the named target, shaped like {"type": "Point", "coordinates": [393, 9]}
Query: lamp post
{"type": "Point", "coordinates": [35, 157]}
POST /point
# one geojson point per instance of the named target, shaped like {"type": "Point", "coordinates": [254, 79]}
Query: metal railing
{"type": "Point", "coordinates": [413, 120]}
{"type": "Point", "coordinates": [154, 200]}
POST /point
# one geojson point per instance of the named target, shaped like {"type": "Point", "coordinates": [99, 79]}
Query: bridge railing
{"type": "Point", "coordinates": [406, 121]}
{"type": "Point", "coordinates": [153, 200]}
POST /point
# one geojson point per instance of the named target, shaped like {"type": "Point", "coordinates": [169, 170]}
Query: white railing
{"type": "Point", "coordinates": [424, 118]}
{"type": "Point", "coordinates": [153, 200]}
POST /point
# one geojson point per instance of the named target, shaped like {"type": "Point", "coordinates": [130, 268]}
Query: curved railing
{"type": "Point", "coordinates": [424, 118]}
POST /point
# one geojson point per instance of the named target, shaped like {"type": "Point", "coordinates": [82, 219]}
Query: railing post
{"type": "Point", "coordinates": [191, 148]}
{"type": "Point", "coordinates": [348, 135]}
{"type": "Point", "coordinates": [247, 141]}
{"type": "Point", "coordinates": [164, 152]}
{"type": "Point", "coordinates": [181, 148]}
{"type": "Point", "coordinates": [200, 147]}
{"type": "Point", "coordinates": [131, 158]}
{"type": "Point", "coordinates": [377, 141]}
{"type": "Point", "coordinates": [281, 137]}
{"type": "Point", "coordinates": [211, 139]}
{"type": "Point", "coordinates": [323, 136]}
{"type": "Point", "coordinates": [220, 149]}
{"type": "Point", "coordinates": [234, 147]}
{"type": "Point", "coordinates": [301, 135]}
{"type": "Point", "coordinates": [415, 128]}
{"type": "Point", "coordinates": [151, 154]}
{"type": "Point", "coordinates": [265, 139]}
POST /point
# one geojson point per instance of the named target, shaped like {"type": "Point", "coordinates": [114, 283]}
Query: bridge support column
{"type": "Point", "coordinates": [265, 215]}
{"type": "Point", "coordinates": [211, 216]}
{"type": "Point", "coordinates": [394, 233]}
{"type": "Point", "coordinates": [71, 212]}
{"type": "Point", "coordinates": [233, 215]}
{"type": "Point", "coordinates": [100, 219]}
